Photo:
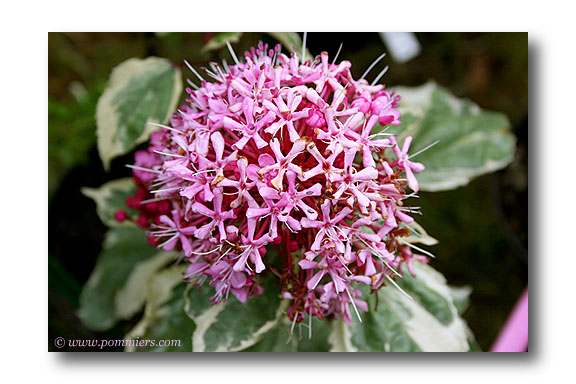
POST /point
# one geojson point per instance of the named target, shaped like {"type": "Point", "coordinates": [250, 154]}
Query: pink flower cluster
{"type": "Point", "coordinates": [279, 154]}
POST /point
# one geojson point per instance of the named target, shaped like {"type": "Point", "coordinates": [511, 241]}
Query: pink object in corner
{"type": "Point", "coordinates": [514, 335]}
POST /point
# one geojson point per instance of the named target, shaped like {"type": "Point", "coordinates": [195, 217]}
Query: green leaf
{"type": "Point", "coordinates": [164, 315]}
{"type": "Point", "coordinates": [290, 40]}
{"type": "Point", "coordinates": [220, 40]}
{"type": "Point", "coordinates": [123, 248]}
{"type": "Point", "coordinates": [138, 91]}
{"type": "Point", "coordinates": [276, 339]}
{"type": "Point", "coordinates": [233, 326]}
{"type": "Point", "coordinates": [432, 301]}
{"type": "Point", "coordinates": [111, 197]}
{"type": "Point", "coordinates": [168, 328]}
{"type": "Point", "coordinates": [428, 321]}
{"type": "Point", "coordinates": [472, 141]}
{"type": "Point", "coordinates": [318, 340]}
{"type": "Point", "coordinates": [281, 338]}
{"type": "Point", "coordinates": [131, 298]}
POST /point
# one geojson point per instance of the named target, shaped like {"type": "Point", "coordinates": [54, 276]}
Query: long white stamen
{"type": "Point", "coordinates": [166, 190]}
{"type": "Point", "coordinates": [193, 70]}
{"type": "Point", "coordinates": [381, 134]}
{"type": "Point", "coordinates": [344, 265]}
{"type": "Point", "coordinates": [143, 169]}
{"type": "Point", "coordinates": [224, 254]}
{"type": "Point", "coordinates": [398, 287]}
{"type": "Point", "coordinates": [408, 209]}
{"type": "Point", "coordinates": [161, 226]}
{"type": "Point", "coordinates": [163, 234]}
{"type": "Point", "coordinates": [309, 323]}
{"type": "Point", "coordinates": [353, 304]}
{"type": "Point", "coordinates": [293, 324]}
{"type": "Point", "coordinates": [232, 52]}
{"type": "Point", "coordinates": [166, 127]}
{"type": "Point", "coordinates": [275, 57]}
{"type": "Point", "coordinates": [153, 200]}
{"type": "Point", "coordinates": [372, 65]}
{"type": "Point", "coordinates": [169, 240]}
{"type": "Point", "coordinates": [198, 271]}
{"type": "Point", "coordinates": [417, 248]}
{"type": "Point", "coordinates": [382, 259]}
{"type": "Point", "coordinates": [232, 244]}
{"type": "Point", "coordinates": [192, 84]}
{"type": "Point", "coordinates": [424, 149]}
{"type": "Point", "coordinates": [158, 182]}
{"type": "Point", "coordinates": [227, 292]}
{"type": "Point", "coordinates": [206, 253]}
{"type": "Point", "coordinates": [380, 75]}
{"type": "Point", "coordinates": [343, 233]}
{"type": "Point", "coordinates": [222, 76]}
{"type": "Point", "coordinates": [198, 173]}
{"type": "Point", "coordinates": [210, 73]}
{"type": "Point", "coordinates": [337, 53]}
{"type": "Point", "coordinates": [164, 231]}
{"type": "Point", "coordinates": [304, 47]}
{"type": "Point", "coordinates": [379, 255]}
{"type": "Point", "coordinates": [166, 153]}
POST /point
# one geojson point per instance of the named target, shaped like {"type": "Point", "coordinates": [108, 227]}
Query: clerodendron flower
{"type": "Point", "coordinates": [276, 152]}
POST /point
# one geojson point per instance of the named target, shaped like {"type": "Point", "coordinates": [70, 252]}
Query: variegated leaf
{"type": "Point", "coordinates": [123, 248]}
{"type": "Point", "coordinates": [472, 141]}
{"type": "Point", "coordinates": [111, 197]}
{"type": "Point", "coordinates": [427, 321]}
{"type": "Point", "coordinates": [139, 91]}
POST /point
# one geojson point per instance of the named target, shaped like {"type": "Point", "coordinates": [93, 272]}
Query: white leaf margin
{"type": "Point", "coordinates": [100, 196]}
{"type": "Point", "coordinates": [205, 320]}
{"type": "Point", "coordinates": [106, 116]}
{"type": "Point", "coordinates": [132, 297]}
{"type": "Point", "coordinates": [415, 101]}
{"type": "Point", "coordinates": [423, 328]}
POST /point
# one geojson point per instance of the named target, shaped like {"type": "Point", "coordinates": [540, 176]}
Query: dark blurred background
{"type": "Point", "coordinates": [482, 228]}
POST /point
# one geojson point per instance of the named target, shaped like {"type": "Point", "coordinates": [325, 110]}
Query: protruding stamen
{"type": "Point", "coordinates": [193, 70]}
{"type": "Point", "coordinates": [232, 52]}
{"type": "Point", "coordinates": [153, 200]}
{"type": "Point", "coordinates": [379, 255]}
{"type": "Point", "coordinates": [166, 190]}
{"type": "Point", "coordinates": [309, 323]}
{"type": "Point", "coordinates": [337, 53]}
{"type": "Point", "coordinates": [372, 65]}
{"type": "Point", "coordinates": [424, 149]}
{"type": "Point", "coordinates": [398, 287]}
{"type": "Point", "coordinates": [192, 84]}
{"type": "Point", "coordinates": [166, 127]}
{"type": "Point", "coordinates": [169, 240]}
{"type": "Point", "coordinates": [166, 153]}
{"type": "Point", "coordinates": [353, 304]}
{"type": "Point", "coordinates": [304, 47]}
{"type": "Point", "coordinates": [417, 248]}
{"type": "Point", "coordinates": [143, 169]}
{"type": "Point", "coordinates": [379, 76]}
